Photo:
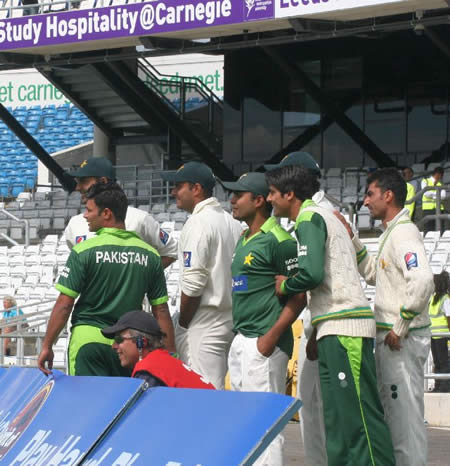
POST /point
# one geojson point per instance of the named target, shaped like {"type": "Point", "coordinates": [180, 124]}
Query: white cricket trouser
{"type": "Point", "coordinates": [400, 377]}
{"type": "Point", "coordinates": [250, 371]}
{"type": "Point", "coordinates": [311, 413]}
{"type": "Point", "coordinates": [205, 349]}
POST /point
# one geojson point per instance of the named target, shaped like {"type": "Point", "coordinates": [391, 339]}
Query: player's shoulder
{"type": "Point", "coordinates": [279, 235]}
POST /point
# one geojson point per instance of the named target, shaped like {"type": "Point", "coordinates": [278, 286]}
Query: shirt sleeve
{"type": "Point", "coordinates": [285, 257]}
{"type": "Point", "coordinates": [152, 233]}
{"type": "Point", "coordinates": [367, 264]}
{"type": "Point", "coordinates": [311, 235]}
{"type": "Point", "coordinates": [71, 281]}
{"type": "Point", "coordinates": [68, 234]}
{"type": "Point", "coordinates": [196, 248]}
{"type": "Point", "coordinates": [157, 291]}
{"type": "Point", "coordinates": [410, 258]}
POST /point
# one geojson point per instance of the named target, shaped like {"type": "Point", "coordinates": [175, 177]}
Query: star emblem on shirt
{"type": "Point", "coordinates": [248, 259]}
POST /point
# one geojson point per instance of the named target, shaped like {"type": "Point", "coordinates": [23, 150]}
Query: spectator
{"type": "Point", "coordinates": [263, 342]}
{"type": "Point", "coordinates": [407, 174]}
{"type": "Point", "coordinates": [10, 311]}
{"type": "Point", "coordinates": [429, 197]}
{"type": "Point", "coordinates": [439, 310]}
{"type": "Point", "coordinates": [204, 331]}
{"type": "Point", "coordinates": [110, 274]}
{"type": "Point", "coordinates": [138, 343]}
{"type": "Point", "coordinates": [100, 170]}
{"type": "Point", "coordinates": [404, 283]}
{"type": "Point", "coordinates": [344, 324]}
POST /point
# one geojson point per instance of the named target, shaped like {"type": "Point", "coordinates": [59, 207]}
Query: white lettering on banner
{"type": "Point", "coordinates": [285, 8]}
{"type": "Point", "coordinates": [37, 451]}
{"type": "Point", "coordinates": [121, 19]}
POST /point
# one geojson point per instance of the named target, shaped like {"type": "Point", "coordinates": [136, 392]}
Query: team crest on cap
{"type": "Point", "coordinates": [181, 168]}
{"type": "Point", "coordinates": [83, 163]}
{"type": "Point", "coordinates": [243, 176]}
{"type": "Point", "coordinates": [411, 260]}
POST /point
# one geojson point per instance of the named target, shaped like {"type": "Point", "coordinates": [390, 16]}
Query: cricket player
{"type": "Point", "coordinates": [404, 284]}
{"type": "Point", "coordinates": [206, 245]}
{"type": "Point", "coordinates": [109, 274]}
{"type": "Point", "coordinates": [100, 170]}
{"type": "Point", "coordinates": [344, 325]}
{"type": "Point", "coordinates": [262, 322]}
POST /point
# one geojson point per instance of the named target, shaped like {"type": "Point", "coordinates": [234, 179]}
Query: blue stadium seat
{"type": "Point", "coordinates": [17, 188]}
{"type": "Point", "coordinates": [4, 190]}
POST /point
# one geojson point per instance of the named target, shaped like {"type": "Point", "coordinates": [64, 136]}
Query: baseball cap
{"type": "Point", "coordinates": [252, 182]}
{"type": "Point", "coordinates": [136, 320]}
{"type": "Point", "coordinates": [96, 166]}
{"type": "Point", "coordinates": [192, 172]}
{"type": "Point", "coordinates": [303, 159]}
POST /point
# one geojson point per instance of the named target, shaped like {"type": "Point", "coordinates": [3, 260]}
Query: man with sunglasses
{"type": "Point", "coordinates": [109, 274]}
{"type": "Point", "coordinates": [138, 342]}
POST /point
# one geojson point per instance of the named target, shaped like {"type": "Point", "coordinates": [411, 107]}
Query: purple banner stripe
{"type": "Point", "coordinates": [128, 20]}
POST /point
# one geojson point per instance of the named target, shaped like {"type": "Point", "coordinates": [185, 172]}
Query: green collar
{"type": "Point", "coordinates": [119, 232]}
{"type": "Point", "coordinates": [265, 228]}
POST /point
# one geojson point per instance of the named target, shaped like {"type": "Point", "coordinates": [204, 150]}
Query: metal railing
{"type": "Point", "coordinates": [18, 220]}
{"type": "Point", "coordinates": [432, 375]}
{"type": "Point", "coordinates": [28, 327]}
{"type": "Point", "coordinates": [438, 216]}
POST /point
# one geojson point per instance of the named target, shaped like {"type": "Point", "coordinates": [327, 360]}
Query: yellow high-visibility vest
{"type": "Point", "coordinates": [438, 318]}
{"type": "Point", "coordinates": [410, 193]}
{"type": "Point", "coordinates": [429, 203]}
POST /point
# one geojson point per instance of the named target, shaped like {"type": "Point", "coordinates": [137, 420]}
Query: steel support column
{"type": "Point", "coordinates": [331, 109]}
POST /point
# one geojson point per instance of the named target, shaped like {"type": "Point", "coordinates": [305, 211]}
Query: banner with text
{"type": "Point", "coordinates": [128, 20]}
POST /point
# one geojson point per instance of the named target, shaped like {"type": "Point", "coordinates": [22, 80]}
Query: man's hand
{"type": "Point", "coordinates": [265, 345]}
{"type": "Point", "coordinates": [312, 351]}
{"type": "Point", "coordinates": [279, 279]}
{"type": "Point", "coordinates": [393, 341]}
{"type": "Point", "coordinates": [46, 355]}
{"type": "Point", "coordinates": [344, 222]}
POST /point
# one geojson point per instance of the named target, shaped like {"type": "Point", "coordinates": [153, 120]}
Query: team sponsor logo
{"type": "Point", "coordinates": [83, 163]}
{"type": "Point", "coordinates": [187, 256]}
{"type": "Point", "coordinates": [248, 259]}
{"type": "Point", "coordinates": [65, 272]}
{"type": "Point", "coordinates": [239, 283]}
{"type": "Point", "coordinates": [79, 239]}
{"type": "Point", "coordinates": [163, 236]}
{"type": "Point", "coordinates": [291, 263]}
{"type": "Point", "coordinates": [411, 260]}
{"type": "Point", "coordinates": [11, 431]}
{"type": "Point", "coordinates": [302, 250]}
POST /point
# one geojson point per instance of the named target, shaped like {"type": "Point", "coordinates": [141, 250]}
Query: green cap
{"type": "Point", "coordinates": [96, 166]}
{"type": "Point", "coordinates": [192, 172]}
{"type": "Point", "coordinates": [302, 159]}
{"type": "Point", "coordinates": [252, 182]}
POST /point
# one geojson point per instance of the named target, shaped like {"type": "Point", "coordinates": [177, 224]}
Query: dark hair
{"type": "Point", "coordinates": [267, 205]}
{"type": "Point", "coordinates": [389, 179]}
{"type": "Point", "coordinates": [408, 168]}
{"type": "Point", "coordinates": [439, 170]}
{"type": "Point", "coordinates": [109, 195]}
{"type": "Point", "coordinates": [301, 181]}
{"type": "Point", "coordinates": [207, 192]}
{"type": "Point", "coordinates": [441, 284]}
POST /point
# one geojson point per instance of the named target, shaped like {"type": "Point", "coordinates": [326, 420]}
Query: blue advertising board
{"type": "Point", "coordinates": [173, 426]}
{"type": "Point", "coordinates": [65, 416]}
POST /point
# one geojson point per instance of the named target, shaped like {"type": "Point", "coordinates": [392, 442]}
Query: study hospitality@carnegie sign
{"type": "Point", "coordinates": [128, 20]}
{"type": "Point", "coordinates": [156, 17]}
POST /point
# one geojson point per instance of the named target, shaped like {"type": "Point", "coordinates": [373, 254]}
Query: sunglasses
{"type": "Point", "coordinates": [120, 339]}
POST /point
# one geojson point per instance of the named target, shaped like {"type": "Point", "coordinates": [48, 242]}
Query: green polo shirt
{"type": "Point", "coordinates": [256, 308]}
{"type": "Point", "coordinates": [111, 273]}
